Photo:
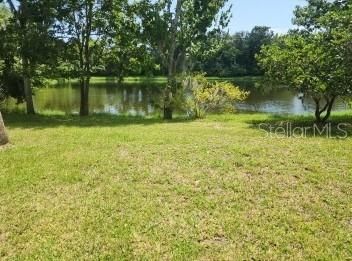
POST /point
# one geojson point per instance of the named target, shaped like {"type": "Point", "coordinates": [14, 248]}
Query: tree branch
{"type": "Point", "coordinates": [326, 105]}
{"type": "Point", "coordinates": [12, 6]}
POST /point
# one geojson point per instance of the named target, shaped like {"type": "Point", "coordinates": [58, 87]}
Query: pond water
{"type": "Point", "coordinates": [142, 98]}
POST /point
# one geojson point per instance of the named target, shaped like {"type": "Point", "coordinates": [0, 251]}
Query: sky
{"type": "Point", "coordinates": [276, 14]}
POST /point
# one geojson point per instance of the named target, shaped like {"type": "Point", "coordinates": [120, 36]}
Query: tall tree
{"type": "Point", "coordinates": [3, 136]}
{"type": "Point", "coordinates": [174, 29]}
{"type": "Point", "coordinates": [255, 40]}
{"type": "Point", "coordinates": [4, 17]}
{"type": "Point", "coordinates": [84, 24]}
{"type": "Point", "coordinates": [125, 52]}
{"type": "Point", "coordinates": [31, 26]}
{"type": "Point", "coordinates": [11, 81]}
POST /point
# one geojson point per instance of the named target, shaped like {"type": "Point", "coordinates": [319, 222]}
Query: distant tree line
{"type": "Point", "coordinates": [227, 55]}
{"type": "Point", "coordinates": [236, 54]}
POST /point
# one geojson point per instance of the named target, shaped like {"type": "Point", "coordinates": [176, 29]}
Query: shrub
{"type": "Point", "coordinates": [205, 96]}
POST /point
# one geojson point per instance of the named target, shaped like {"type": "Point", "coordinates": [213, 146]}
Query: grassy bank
{"type": "Point", "coordinates": [155, 79]}
{"type": "Point", "coordinates": [101, 79]}
{"type": "Point", "coordinates": [105, 187]}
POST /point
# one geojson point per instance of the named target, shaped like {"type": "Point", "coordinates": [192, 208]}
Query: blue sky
{"type": "Point", "coordinates": [274, 13]}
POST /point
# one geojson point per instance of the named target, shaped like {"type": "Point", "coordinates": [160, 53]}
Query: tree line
{"type": "Point", "coordinates": [77, 38]}
{"type": "Point", "coordinates": [225, 55]}
{"type": "Point", "coordinates": [235, 55]}
{"type": "Point", "coordinates": [82, 38]}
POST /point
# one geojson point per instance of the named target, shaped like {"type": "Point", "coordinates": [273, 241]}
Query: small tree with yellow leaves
{"type": "Point", "coordinates": [205, 96]}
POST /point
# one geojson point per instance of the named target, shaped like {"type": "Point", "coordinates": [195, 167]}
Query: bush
{"type": "Point", "coordinates": [205, 96]}
{"type": "Point", "coordinates": [11, 85]}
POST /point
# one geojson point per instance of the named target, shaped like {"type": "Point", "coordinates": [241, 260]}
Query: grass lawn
{"type": "Point", "coordinates": [108, 187]}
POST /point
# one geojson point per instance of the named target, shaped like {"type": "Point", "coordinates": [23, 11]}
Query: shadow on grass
{"type": "Point", "coordinates": [40, 121]}
{"type": "Point", "coordinates": [339, 126]}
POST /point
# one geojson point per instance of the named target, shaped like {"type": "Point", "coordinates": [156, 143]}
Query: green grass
{"type": "Point", "coordinates": [107, 187]}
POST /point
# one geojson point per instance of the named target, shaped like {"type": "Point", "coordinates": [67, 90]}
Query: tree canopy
{"type": "Point", "coordinates": [234, 55]}
{"type": "Point", "coordinates": [315, 59]}
{"type": "Point", "coordinates": [175, 31]}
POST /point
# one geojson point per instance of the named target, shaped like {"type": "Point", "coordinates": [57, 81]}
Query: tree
{"type": "Point", "coordinates": [333, 19]}
{"type": "Point", "coordinates": [125, 52]}
{"type": "Point", "coordinates": [311, 65]}
{"type": "Point", "coordinates": [258, 37]}
{"type": "Point", "coordinates": [175, 30]}
{"type": "Point", "coordinates": [31, 29]}
{"type": "Point", "coordinates": [309, 16]}
{"type": "Point", "coordinates": [11, 81]}
{"type": "Point", "coordinates": [219, 57]}
{"type": "Point", "coordinates": [84, 25]}
{"type": "Point", "coordinates": [4, 17]}
{"type": "Point", "coordinates": [338, 25]}
{"type": "Point", "coordinates": [316, 58]}
{"type": "Point", "coordinates": [3, 136]}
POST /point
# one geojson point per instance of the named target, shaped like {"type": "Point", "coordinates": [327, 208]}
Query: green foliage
{"type": "Point", "coordinates": [195, 19]}
{"type": "Point", "coordinates": [234, 55]}
{"type": "Point", "coordinates": [27, 48]}
{"type": "Point", "coordinates": [5, 15]}
{"type": "Point", "coordinates": [11, 83]}
{"type": "Point", "coordinates": [292, 61]}
{"type": "Point", "coordinates": [32, 28]}
{"type": "Point", "coordinates": [175, 31]}
{"type": "Point", "coordinates": [315, 60]}
{"type": "Point", "coordinates": [125, 52]}
{"type": "Point", "coordinates": [84, 25]}
{"type": "Point", "coordinates": [206, 96]}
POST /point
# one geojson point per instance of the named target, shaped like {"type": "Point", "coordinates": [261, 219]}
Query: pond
{"type": "Point", "coordinates": [142, 98]}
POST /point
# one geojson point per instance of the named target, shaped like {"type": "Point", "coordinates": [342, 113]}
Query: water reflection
{"type": "Point", "coordinates": [265, 97]}
{"type": "Point", "coordinates": [142, 98]}
{"type": "Point", "coordinates": [113, 98]}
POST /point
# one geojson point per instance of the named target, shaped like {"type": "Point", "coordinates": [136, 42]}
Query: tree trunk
{"type": "Point", "coordinates": [327, 109]}
{"type": "Point", "coordinates": [168, 99]}
{"type": "Point", "coordinates": [85, 55]}
{"type": "Point", "coordinates": [171, 81]}
{"type": "Point", "coordinates": [168, 110]}
{"type": "Point", "coordinates": [84, 108]}
{"type": "Point", "coordinates": [28, 88]}
{"type": "Point", "coordinates": [3, 136]}
{"type": "Point", "coordinates": [317, 110]}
